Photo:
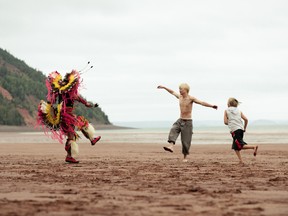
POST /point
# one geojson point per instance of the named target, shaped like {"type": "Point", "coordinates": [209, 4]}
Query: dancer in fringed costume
{"type": "Point", "coordinates": [56, 115]}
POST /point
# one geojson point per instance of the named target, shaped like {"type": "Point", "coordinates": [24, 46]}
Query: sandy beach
{"type": "Point", "coordinates": [139, 179]}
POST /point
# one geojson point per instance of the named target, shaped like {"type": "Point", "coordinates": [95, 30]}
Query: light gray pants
{"type": "Point", "coordinates": [185, 127]}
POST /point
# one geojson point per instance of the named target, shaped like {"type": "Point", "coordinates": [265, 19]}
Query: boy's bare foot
{"type": "Point", "coordinates": [255, 151]}
{"type": "Point", "coordinates": [241, 163]}
{"type": "Point", "coordinates": [168, 148]}
{"type": "Point", "coordinates": [185, 160]}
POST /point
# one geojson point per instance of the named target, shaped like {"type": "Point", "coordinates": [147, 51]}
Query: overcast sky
{"type": "Point", "coordinates": [221, 48]}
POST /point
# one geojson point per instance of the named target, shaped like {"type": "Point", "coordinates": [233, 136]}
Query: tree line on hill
{"type": "Point", "coordinates": [22, 88]}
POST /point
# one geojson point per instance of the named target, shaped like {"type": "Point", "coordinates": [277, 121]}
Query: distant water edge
{"type": "Point", "coordinates": [201, 135]}
{"type": "Point", "coordinates": [256, 134]}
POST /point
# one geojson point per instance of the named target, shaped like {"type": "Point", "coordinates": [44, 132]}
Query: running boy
{"type": "Point", "coordinates": [184, 124]}
{"type": "Point", "coordinates": [233, 118]}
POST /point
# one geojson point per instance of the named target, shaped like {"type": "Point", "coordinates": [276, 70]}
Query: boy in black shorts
{"type": "Point", "coordinates": [233, 118]}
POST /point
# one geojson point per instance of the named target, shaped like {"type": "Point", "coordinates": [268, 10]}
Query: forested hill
{"type": "Point", "coordinates": [22, 88]}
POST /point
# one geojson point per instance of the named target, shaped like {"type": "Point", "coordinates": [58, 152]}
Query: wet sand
{"type": "Point", "coordinates": [141, 179]}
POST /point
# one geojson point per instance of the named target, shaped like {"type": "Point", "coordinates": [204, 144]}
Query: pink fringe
{"type": "Point", "coordinates": [68, 119]}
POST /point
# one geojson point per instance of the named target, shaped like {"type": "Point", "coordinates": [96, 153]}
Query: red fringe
{"type": "Point", "coordinates": [68, 119]}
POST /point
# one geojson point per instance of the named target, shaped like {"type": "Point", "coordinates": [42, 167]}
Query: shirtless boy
{"type": "Point", "coordinates": [184, 124]}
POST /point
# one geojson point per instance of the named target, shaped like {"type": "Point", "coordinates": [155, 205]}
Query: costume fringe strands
{"type": "Point", "coordinates": [90, 131]}
{"type": "Point", "coordinates": [74, 148]}
{"type": "Point", "coordinates": [56, 115]}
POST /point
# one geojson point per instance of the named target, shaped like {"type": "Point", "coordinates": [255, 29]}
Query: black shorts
{"type": "Point", "coordinates": [238, 141]}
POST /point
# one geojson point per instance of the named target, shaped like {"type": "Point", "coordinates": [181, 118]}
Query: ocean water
{"type": "Point", "coordinates": [201, 135]}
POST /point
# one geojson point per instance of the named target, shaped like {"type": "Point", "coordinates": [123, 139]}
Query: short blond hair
{"type": "Point", "coordinates": [185, 86]}
{"type": "Point", "coordinates": [233, 102]}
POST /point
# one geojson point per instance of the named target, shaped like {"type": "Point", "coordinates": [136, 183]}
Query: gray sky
{"type": "Point", "coordinates": [220, 48]}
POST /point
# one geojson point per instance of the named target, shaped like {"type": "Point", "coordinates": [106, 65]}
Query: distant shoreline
{"type": "Point", "coordinates": [9, 128]}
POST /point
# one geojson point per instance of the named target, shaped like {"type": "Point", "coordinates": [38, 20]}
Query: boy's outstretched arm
{"type": "Point", "coordinates": [168, 90]}
{"type": "Point", "coordinates": [203, 103]}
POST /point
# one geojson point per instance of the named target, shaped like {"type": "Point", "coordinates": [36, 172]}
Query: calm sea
{"type": "Point", "coordinates": [277, 134]}
{"type": "Point", "coordinates": [201, 135]}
